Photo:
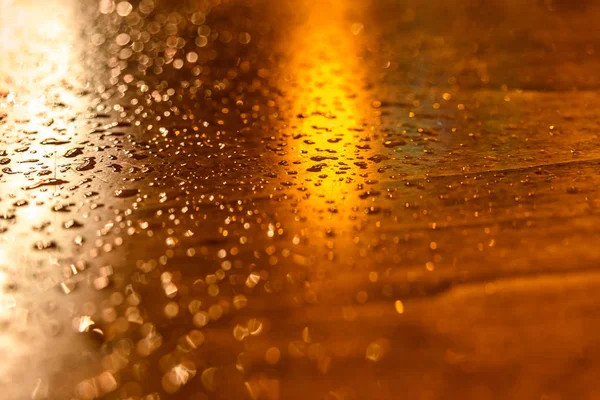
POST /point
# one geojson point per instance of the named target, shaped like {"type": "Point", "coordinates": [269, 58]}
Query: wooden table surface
{"type": "Point", "coordinates": [331, 199]}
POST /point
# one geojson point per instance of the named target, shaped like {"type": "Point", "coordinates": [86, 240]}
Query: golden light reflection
{"type": "Point", "coordinates": [39, 68]}
{"type": "Point", "coordinates": [328, 105]}
{"type": "Point", "coordinates": [39, 64]}
{"type": "Point", "coordinates": [38, 41]}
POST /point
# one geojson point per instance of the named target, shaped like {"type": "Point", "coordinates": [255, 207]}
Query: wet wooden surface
{"type": "Point", "coordinates": [299, 200]}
